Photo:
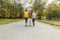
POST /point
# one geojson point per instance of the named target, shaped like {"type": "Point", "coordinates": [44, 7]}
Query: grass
{"type": "Point", "coordinates": [52, 22]}
{"type": "Point", "coordinates": [7, 21]}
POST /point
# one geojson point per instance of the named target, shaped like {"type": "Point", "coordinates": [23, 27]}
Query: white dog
{"type": "Point", "coordinates": [30, 21]}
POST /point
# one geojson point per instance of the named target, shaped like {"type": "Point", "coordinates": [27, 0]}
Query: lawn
{"type": "Point", "coordinates": [7, 21]}
{"type": "Point", "coordinates": [52, 22]}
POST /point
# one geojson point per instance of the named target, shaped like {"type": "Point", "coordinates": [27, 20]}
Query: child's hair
{"type": "Point", "coordinates": [25, 10]}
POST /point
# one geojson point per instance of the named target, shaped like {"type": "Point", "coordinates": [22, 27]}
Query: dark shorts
{"type": "Point", "coordinates": [33, 20]}
{"type": "Point", "coordinates": [26, 19]}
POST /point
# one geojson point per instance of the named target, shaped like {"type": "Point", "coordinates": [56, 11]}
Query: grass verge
{"type": "Point", "coordinates": [52, 22]}
{"type": "Point", "coordinates": [7, 21]}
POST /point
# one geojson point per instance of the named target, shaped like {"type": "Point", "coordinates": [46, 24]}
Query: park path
{"type": "Point", "coordinates": [18, 31]}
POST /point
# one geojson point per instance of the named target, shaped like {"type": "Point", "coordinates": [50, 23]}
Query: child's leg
{"type": "Point", "coordinates": [33, 21]}
{"type": "Point", "coordinates": [26, 21]}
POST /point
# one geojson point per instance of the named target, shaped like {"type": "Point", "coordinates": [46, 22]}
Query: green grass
{"type": "Point", "coordinates": [7, 21]}
{"type": "Point", "coordinates": [52, 22]}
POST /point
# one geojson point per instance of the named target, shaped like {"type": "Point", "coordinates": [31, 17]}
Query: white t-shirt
{"type": "Point", "coordinates": [33, 15]}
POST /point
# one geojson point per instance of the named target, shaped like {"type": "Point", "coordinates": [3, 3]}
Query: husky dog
{"type": "Point", "coordinates": [30, 21]}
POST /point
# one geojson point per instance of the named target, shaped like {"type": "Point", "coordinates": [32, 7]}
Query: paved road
{"type": "Point", "coordinates": [18, 31]}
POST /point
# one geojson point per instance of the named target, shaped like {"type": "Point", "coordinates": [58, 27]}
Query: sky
{"type": "Point", "coordinates": [49, 1]}
{"type": "Point", "coordinates": [24, 2]}
{"type": "Point", "coordinates": [27, 4]}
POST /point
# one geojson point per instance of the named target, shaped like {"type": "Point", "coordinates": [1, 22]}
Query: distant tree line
{"type": "Point", "coordinates": [10, 10]}
{"type": "Point", "coordinates": [51, 12]}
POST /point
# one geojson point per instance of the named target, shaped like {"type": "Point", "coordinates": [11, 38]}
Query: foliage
{"type": "Point", "coordinates": [39, 7]}
{"type": "Point", "coordinates": [10, 10]}
{"type": "Point", "coordinates": [53, 12]}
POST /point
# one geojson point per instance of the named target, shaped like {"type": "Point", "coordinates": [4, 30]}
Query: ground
{"type": "Point", "coordinates": [18, 31]}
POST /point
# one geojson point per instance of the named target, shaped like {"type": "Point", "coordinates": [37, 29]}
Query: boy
{"type": "Point", "coordinates": [26, 17]}
{"type": "Point", "coordinates": [33, 18]}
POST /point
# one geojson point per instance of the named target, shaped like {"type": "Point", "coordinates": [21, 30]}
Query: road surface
{"type": "Point", "coordinates": [18, 31]}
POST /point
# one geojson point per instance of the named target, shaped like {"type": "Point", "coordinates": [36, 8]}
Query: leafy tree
{"type": "Point", "coordinates": [38, 6]}
{"type": "Point", "coordinates": [10, 10]}
{"type": "Point", "coordinates": [53, 12]}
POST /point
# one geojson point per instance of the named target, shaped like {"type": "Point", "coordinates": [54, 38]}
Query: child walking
{"type": "Point", "coordinates": [33, 18]}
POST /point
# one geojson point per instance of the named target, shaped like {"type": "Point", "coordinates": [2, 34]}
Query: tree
{"type": "Point", "coordinates": [38, 6]}
{"type": "Point", "coordinates": [53, 11]}
{"type": "Point", "coordinates": [10, 10]}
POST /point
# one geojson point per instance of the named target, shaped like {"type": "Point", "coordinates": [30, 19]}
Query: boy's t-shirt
{"type": "Point", "coordinates": [26, 15]}
{"type": "Point", "coordinates": [34, 15]}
